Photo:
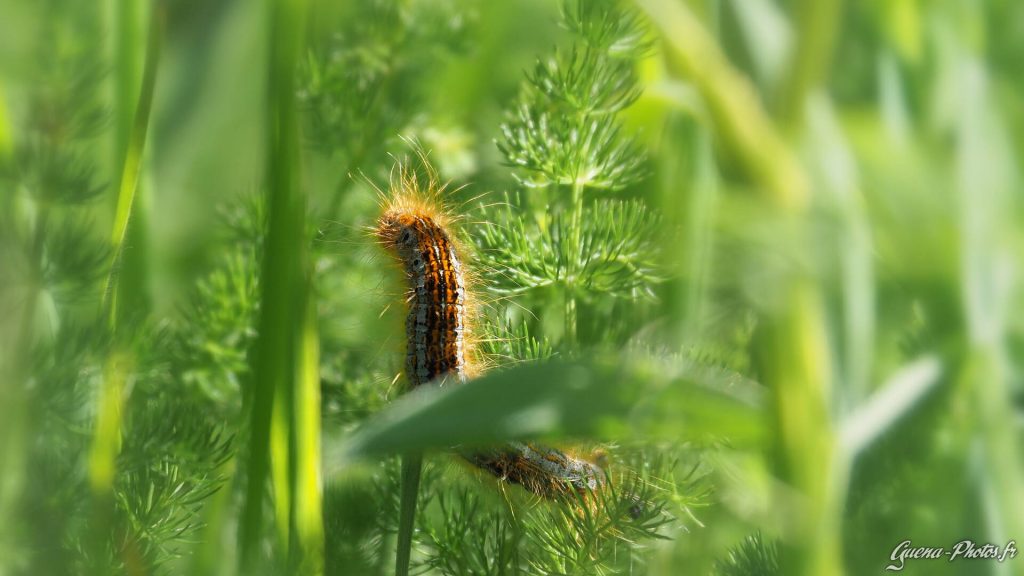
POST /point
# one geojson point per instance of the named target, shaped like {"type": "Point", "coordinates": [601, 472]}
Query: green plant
{"type": "Point", "coordinates": [757, 260]}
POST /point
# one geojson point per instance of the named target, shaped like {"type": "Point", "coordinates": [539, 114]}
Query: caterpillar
{"type": "Point", "coordinates": [415, 230]}
{"type": "Point", "coordinates": [436, 323]}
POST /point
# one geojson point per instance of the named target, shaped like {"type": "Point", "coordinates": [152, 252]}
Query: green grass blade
{"type": "Point", "coordinates": [688, 185]}
{"type": "Point", "coordinates": [282, 278]}
{"type": "Point", "coordinates": [106, 440]}
{"type": "Point", "coordinates": [281, 454]}
{"type": "Point", "coordinates": [133, 284]}
{"type": "Point", "coordinates": [6, 139]}
{"type": "Point", "coordinates": [308, 489]}
{"type": "Point", "coordinates": [133, 157]}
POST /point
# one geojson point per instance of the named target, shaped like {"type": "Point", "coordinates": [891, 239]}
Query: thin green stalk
{"type": "Point", "coordinates": [283, 277]}
{"type": "Point", "coordinates": [829, 148]}
{"type": "Point", "coordinates": [573, 267]}
{"type": "Point", "coordinates": [412, 465]}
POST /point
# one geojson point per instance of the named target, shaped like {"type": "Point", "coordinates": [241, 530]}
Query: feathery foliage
{"type": "Point", "coordinates": [756, 260]}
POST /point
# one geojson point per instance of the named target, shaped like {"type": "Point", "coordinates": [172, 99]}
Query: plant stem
{"type": "Point", "coordinates": [573, 267]}
{"type": "Point", "coordinates": [412, 465]}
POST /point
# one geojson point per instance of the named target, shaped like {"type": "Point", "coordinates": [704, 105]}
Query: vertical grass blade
{"type": "Point", "coordinates": [308, 515]}
{"type": "Point", "coordinates": [281, 443]}
{"type": "Point", "coordinates": [835, 174]}
{"type": "Point", "coordinates": [133, 280]}
{"type": "Point", "coordinates": [6, 139]}
{"type": "Point", "coordinates": [283, 281]}
{"type": "Point", "coordinates": [688, 186]}
{"type": "Point", "coordinates": [127, 69]}
{"type": "Point", "coordinates": [106, 441]}
{"type": "Point", "coordinates": [107, 435]}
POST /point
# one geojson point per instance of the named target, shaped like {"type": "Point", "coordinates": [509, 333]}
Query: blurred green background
{"type": "Point", "coordinates": [758, 258]}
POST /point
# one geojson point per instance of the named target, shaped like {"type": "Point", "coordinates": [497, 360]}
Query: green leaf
{"type": "Point", "coordinates": [606, 399]}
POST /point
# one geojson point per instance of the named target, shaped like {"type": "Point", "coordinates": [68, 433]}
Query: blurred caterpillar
{"type": "Point", "coordinates": [415, 230]}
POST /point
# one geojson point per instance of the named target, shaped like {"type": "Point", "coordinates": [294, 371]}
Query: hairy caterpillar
{"type": "Point", "coordinates": [416, 231]}
{"type": "Point", "coordinates": [436, 324]}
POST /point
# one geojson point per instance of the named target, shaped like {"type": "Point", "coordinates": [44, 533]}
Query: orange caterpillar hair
{"type": "Point", "coordinates": [417, 231]}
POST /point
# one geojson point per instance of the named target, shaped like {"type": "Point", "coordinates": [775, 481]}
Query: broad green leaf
{"type": "Point", "coordinates": [600, 399]}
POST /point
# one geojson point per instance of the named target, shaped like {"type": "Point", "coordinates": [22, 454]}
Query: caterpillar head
{"type": "Point", "coordinates": [397, 231]}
